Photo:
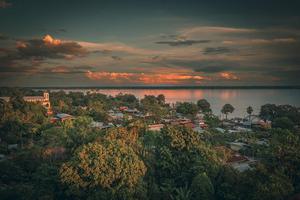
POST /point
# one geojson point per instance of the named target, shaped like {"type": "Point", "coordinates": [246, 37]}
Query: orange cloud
{"type": "Point", "coordinates": [228, 76]}
{"type": "Point", "coordinates": [108, 75]}
{"type": "Point", "coordinates": [60, 69]}
{"type": "Point", "coordinates": [144, 78]}
{"type": "Point", "coordinates": [48, 39]}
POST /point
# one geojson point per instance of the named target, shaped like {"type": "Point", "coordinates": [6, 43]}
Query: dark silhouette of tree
{"type": "Point", "coordinates": [226, 109]}
{"type": "Point", "coordinates": [204, 106]}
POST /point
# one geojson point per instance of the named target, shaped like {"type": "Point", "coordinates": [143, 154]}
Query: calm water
{"type": "Point", "coordinates": [239, 98]}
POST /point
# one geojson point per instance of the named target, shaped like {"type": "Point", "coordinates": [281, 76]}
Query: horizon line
{"type": "Point", "coordinates": [162, 87]}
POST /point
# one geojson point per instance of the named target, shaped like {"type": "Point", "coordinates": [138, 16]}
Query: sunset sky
{"type": "Point", "coordinates": [155, 42]}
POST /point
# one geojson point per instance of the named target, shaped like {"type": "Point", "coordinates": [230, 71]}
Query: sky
{"type": "Point", "coordinates": [159, 42]}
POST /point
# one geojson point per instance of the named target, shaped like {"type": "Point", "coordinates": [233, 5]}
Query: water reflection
{"type": "Point", "coordinates": [228, 94]}
{"type": "Point", "coordinates": [239, 98]}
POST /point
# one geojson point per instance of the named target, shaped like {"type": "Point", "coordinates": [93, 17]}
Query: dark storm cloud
{"type": "Point", "coordinates": [29, 55]}
{"type": "Point", "coordinates": [217, 50]}
{"type": "Point", "coordinates": [183, 42]}
{"type": "Point", "coordinates": [42, 49]}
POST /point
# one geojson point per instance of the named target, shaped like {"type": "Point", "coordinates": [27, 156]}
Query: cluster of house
{"type": "Point", "coordinates": [119, 114]}
{"type": "Point", "coordinates": [236, 159]}
{"type": "Point", "coordinates": [240, 125]}
{"type": "Point", "coordinates": [197, 125]}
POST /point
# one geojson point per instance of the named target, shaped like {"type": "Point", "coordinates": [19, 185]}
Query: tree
{"type": "Point", "coordinates": [272, 111]}
{"type": "Point", "coordinates": [284, 123]}
{"type": "Point", "coordinates": [227, 108]}
{"type": "Point", "coordinates": [268, 111]}
{"type": "Point", "coordinates": [97, 110]}
{"type": "Point", "coordinates": [265, 183]}
{"type": "Point", "coordinates": [17, 101]}
{"type": "Point", "coordinates": [227, 184]}
{"type": "Point", "coordinates": [79, 132]}
{"type": "Point", "coordinates": [127, 100]}
{"type": "Point", "coordinates": [249, 110]}
{"type": "Point", "coordinates": [202, 187]}
{"type": "Point", "coordinates": [204, 106]}
{"type": "Point", "coordinates": [282, 154]}
{"type": "Point", "coordinates": [153, 105]}
{"type": "Point", "coordinates": [161, 99]}
{"type": "Point", "coordinates": [182, 193]}
{"type": "Point", "coordinates": [187, 108]}
{"type": "Point", "coordinates": [212, 121]}
{"type": "Point", "coordinates": [110, 165]}
{"type": "Point", "coordinates": [179, 156]}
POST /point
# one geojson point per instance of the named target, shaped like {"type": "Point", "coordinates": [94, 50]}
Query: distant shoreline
{"type": "Point", "coordinates": [163, 87]}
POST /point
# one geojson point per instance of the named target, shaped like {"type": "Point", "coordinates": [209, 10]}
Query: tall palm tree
{"type": "Point", "coordinates": [249, 111]}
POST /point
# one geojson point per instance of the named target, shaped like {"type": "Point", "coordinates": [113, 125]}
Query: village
{"type": "Point", "coordinates": [119, 116]}
{"type": "Point", "coordinates": [46, 130]}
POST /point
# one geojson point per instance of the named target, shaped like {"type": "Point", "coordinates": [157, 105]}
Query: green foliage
{"type": "Point", "coordinates": [282, 152]}
{"type": "Point", "coordinates": [97, 110]}
{"type": "Point", "coordinates": [126, 100]}
{"type": "Point", "coordinates": [109, 165]}
{"type": "Point", "coordinates": [267, 184]}
{"type": "Point", "coordinates": [182, 193]}
{"type": "Point", "coordinates": [272, 111]}
{"type": "Point", "coordinates": [202, 187]}
{"type": "Point", "coordinates": [284, 123]}
{"type": "Point", "coordinates": [204, 106]}
{"type": "Point", "coordinates": [249, 110]}
{"type": "Point", "coordinates": [179, 156]}
{"type": "Point", "coordinates": [72, 160]}
{"type": "Point", "coordinates": [226, 109]}
{"type": "Point", "coordinates": [186, 108]}
{"type": "Point", "coordinates": [227, 185]}
{"type": "Point", "coordinates": [154, 106]}
{"type": "Point", "coordinates": [79, 132]}
{"type": "Point", "coordinates": [19, 124]}
{"type": "Point", "coordinates": [212, 121]}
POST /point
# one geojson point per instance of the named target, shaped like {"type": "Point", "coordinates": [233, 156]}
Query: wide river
{"type": "Point", "coordinates": [239, 98]}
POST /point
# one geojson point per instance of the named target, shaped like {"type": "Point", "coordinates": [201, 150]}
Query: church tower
{"type": "Point", "coordinates": [46, 96]}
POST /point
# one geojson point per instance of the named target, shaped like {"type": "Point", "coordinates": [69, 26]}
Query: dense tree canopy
{"type": "Point", "coordinates": [186, 108]}
{"type": "Point", "coordinates": [109, 165]}
{"type": "Point", "coordinates": [154, 106]}
{"type": "Point", "coordinates": [74, 160]}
